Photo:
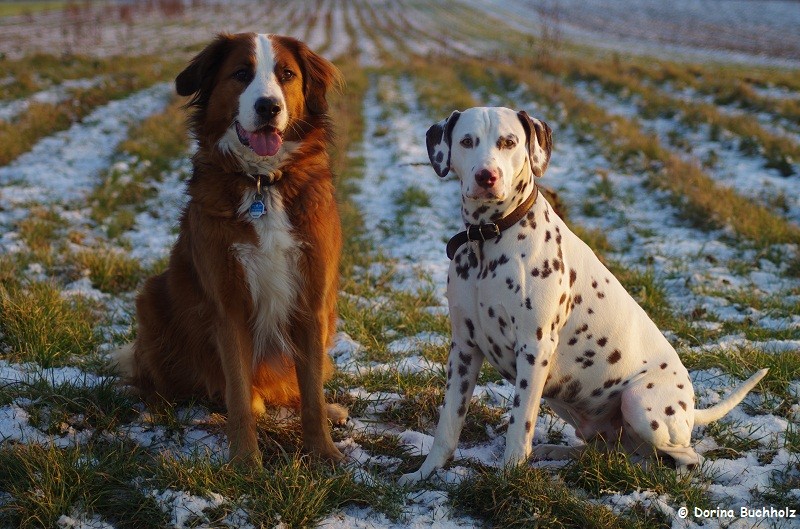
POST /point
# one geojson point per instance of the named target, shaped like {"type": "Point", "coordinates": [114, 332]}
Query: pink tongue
{"type": "Point", "coordinates": [265, 143]}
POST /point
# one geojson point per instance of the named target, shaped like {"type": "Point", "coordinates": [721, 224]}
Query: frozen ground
{"type": "Point", "coordinates": [702, 270]}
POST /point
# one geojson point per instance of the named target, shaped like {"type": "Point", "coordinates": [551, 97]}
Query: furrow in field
{"type": "Point", "coordinates": [63, 168]}
{"type": "Point", "coordinates": [339, 37]}
{"type": "Point", "coordinates": [9, 110]}
{"type": "Point", "coordinates": [717, 151]}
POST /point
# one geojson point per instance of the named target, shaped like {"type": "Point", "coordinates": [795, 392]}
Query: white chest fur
{"type": "Point", "coordinates": [271, 268]}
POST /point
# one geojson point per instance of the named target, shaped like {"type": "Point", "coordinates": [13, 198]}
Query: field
{"type": "Point", "coordinates": [676, 158]}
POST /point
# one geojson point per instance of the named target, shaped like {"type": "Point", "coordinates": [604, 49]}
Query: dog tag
{"type": "Point", "coordinates": [257, 208]}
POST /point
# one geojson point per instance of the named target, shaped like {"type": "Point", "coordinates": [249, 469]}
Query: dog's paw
{"type": "Point", "coordinates": [337, 414]}
{"type": "Point", "coordinates": [407, 480]}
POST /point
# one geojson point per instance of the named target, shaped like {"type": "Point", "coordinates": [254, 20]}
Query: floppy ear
{"type": "Point", "coordinates": [320, 75]}
{"type": "Point", "coordinates": [540, 142]}
{"type": "Point", "coordinates": [198, 78]}
{"type": "Point", "coordinates": [438, 140]}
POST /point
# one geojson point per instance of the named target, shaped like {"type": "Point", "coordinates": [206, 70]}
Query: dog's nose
{"type": "Point", "coordinates": [486, 178]}
{"type": "Point", "coordinates": [267, 107]}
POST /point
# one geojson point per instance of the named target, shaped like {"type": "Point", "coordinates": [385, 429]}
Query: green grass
{"type": "Point", "coordinates": [15, 7]}
{"type": "Point", "coordinates": [42, 119]}
{"type": "Point", "coordinates": [523, 497]}
{"type": "Point", "coordinates": [110, 270]}
{"type": "Point", "coordinates": [39, 325]}
{"type": "Point", "coordinates": [47, 482]}
{"type": "Point", "coordinates": [599, 472]}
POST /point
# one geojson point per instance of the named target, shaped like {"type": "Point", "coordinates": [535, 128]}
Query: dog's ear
{"type": "Point", "coordinates": [198, 78]}
{"type": "Point", "coordinates": [540, 142]}
{"type": "Point", "coordinates": [438, 140]}
{"type": "Point", "coordinates": [319, 76]}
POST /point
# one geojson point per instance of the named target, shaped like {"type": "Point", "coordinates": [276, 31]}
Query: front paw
{"type": "Point", "coordinates": [412, 478]}
{"type": "Point", "coordinates": [325, 451]}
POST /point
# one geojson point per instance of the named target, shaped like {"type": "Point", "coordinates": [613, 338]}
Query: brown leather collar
{"type": "Point", "coordinates": [485, 232]}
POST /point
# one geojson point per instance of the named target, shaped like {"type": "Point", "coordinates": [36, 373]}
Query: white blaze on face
{"type": "Point", "coordinates": [475, 148]}
{"type": "Point", "coordinates": [264, 85]}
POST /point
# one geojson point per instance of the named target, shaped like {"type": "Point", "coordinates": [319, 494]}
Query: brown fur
{"type": "Point", "coordinates": [195, 337]}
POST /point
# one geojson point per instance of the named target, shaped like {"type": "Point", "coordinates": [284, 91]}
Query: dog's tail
{"type": "Point", "coordinates": [122, 361]}
{"type": "Point", "coordinates": [718, 411]}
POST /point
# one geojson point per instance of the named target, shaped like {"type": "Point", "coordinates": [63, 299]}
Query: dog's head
{"type": "Point", "coordinates": [255, 95]}
{"type": "Point", "coordinates": [489, 149]}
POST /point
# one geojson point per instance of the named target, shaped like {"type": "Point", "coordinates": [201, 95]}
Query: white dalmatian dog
{"type": "Point", "coordinates": [538, 304]}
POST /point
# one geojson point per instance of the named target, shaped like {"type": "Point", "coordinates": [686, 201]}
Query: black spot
{"type": "Point", "coordinates": [462, 370]}
{"type": "Point", "coordinates": [654, 425]}
{"type": "Point", "coordinates": [466, 358]}
{"type": "Point", "coordinates": [501, 321]}
{"type": "Point", "coordinates": [608, 383]}
{"type": "Point", "coordinates": [614, 357]}
{"type": "Point", "coordinates": [669, 410]}
{"type": "Point", "coordinates": [516, 401]}
{"type": "Point", "coordinates": [547, 236]}
{"type": "Point", "coordinates": [588, 354]}
{"type": "Point", "coordinates": [535, 272]}
{"type": "Point", "coordinates": [602, 341]}
{"type": "Point", "coordinates": [528, 304]}
{"type": "Point", "coordinates": [578, 299]}
{"type": "Point", "coordinates": [520, 236]}
{"type": "Point", "coordinates": [597, 392]}
{"type": "Point", "coordinates": [511, 420]}
{"type": "Point", "coordinates": [544, 362]}
{"type": "Point", "coordinates": [462, 410]}
{"type": "Point", "coordinates": [539, 333]}
{"type": "Point", "coordinates": [650, 385]}
{"type": "Point", "coordinates": [572, 341]}
{"type": "Point", "coordinates": [491, 312]}
{"type": "Point", "coordinates": [523, 384]}
{"type": "Point", "coordinates": [572, 390]}
{"type": "Point", "coordinates": [530, 358]}
{"type": "Point", "coordinates": [470, 327]}
{"type": "Point", "coordinates": [464, 386]}
{"type": "Point", "coordinates": [601, 295]}
{"type": "Point", "coordinates": [439, 157]}
{"type": "Point", "coordinates": [588, 363]}
{"type": "Point", "coordinates": [663, 366]}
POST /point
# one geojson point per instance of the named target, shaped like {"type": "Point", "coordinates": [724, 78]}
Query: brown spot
{"type": "Point", "coordinates": [563, 298]}
{"type": "Point", "coordinates": [578, 299]}
{"type": "Point", "coordinates": [682, 405]}
{"type": "Point", "coordinates": [650, 385]}
{"type": "Point", "coordinates": [654, 425]}
{"type": "Point", "coordinates": [669, 410]}
{"type": "Point", "coordinates": [572, 276]}
{"type": "Point", "coordinates": [614, 357]}
{"type": "Point", "coordinates": [602, 341]}
{"type": "Point", "coordinates": [527, 426]}
{"type": "Point", "coordinates": [680, 386]}
{"type": "Point", "coordinates": [544, 363]}
{"type": "Point", "coordinates": [663, 366]}
{"type": "Point", "coordinates": [539, 333]}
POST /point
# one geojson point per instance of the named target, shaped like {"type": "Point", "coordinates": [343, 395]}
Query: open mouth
{"type": "Point", "coordinates": [264, 142]}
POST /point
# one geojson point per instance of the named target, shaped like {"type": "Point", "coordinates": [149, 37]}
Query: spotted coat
{"type": "Point", "coordinates": [542, 309]}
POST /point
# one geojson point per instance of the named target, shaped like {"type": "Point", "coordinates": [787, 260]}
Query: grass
{"type": "Point", "coordinates": [613, 472]}
{"type": "Point", "coordinates": [524, 497]}
{"type": "Point", "coordinates": [16, 8]}
{"type": "Point", "coordinates": [40, 325]}
{"type": "Point", "coordinates": [110, 271]}
{"type": "Point", "coordinates": [46, 482]}
{"type": "Point", "coordinates": [42, 119]}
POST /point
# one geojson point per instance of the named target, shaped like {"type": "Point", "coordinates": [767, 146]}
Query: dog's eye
{"type": "Point", "coordinates": [506, 143]}
{"type": "Point", "coordinates": [466, 143]}
{"type": "Point", "coordinates": [244, 75]}
{"type": "Point", "coordinates": [286, 75]}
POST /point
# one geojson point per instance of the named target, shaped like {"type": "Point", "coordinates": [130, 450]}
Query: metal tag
{"type": "Point", "coordinates": [257, 208]}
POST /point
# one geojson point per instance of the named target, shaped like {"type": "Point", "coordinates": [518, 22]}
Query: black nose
{"type": "Point", "coordinates": [267, 107]}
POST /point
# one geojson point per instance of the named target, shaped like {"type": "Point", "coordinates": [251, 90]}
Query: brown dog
{"type": "Point", "coordinates": [246, 310]}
